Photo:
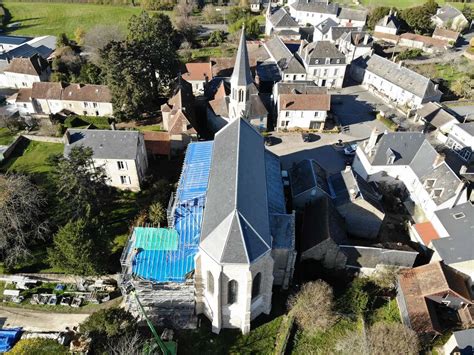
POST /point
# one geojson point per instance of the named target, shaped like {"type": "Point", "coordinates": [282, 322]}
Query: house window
{"type": "Point", "coordinates": [241, 95]}
{"type": "Point", "coordinates": [125, 180]}
{"type": "Point", "coordinates": [328, 60]}
{"type": "Point", "coordinates": [430, 183]}
{"type": "Point", "coordinates": [287, 114]}
{"type": "Point", "coordinates": [314, 125]}
{"type": "Point", "coordinates": [459, 215]}
{"type": "Point", "coordinates": [85, 104]}
{"type": "Point", "coordinates": [325, 72]}
{"type": "Point", "coordinates": [437, 192]}
{"type": "Point", "coordinates": [24, 105]}
{"type": "Point", "coordinates": [232, 290]}
{"type": "Point", "coordinates": [24, 84]}
{"type": "Point", "coordinates": [256, 285]}
{"type": "Point", "coordinates": [210, 283]}
{"type": "Point", "coordinates": [336, 71]}
{"type": "Point", "coordinates": [94, 104]}
{"type": "Point", "coordinates": [284, 123]}
{"type": "Point", "coordinates": [316, 114]}
{"type": "Point", "coordinates": [121, 165]}
{"type": "Point", "coordinates": [391, 159]}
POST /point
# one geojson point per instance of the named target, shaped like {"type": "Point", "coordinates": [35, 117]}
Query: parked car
{"type": "Point", "coordinates": [350, 149]}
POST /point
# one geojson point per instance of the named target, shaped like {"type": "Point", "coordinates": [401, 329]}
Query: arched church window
{"type": "Point", "coordinates": [232, 289]}
{"type": "Point", "coordinates": [256, 285]}
{"type": "Point", "coordinates": [210, 283]}
{"type": "Point", "coordinates": [241, 95]}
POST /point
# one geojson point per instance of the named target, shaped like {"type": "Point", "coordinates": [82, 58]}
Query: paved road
{"type": "Point", "coordinates": [38, 321]}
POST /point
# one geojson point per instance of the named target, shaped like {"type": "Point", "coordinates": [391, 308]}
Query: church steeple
{"type": "Point", "coordinates": [241, 76]}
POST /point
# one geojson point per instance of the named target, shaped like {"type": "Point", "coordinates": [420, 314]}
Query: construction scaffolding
{"type": "Point", "coordinates": [159, 262]}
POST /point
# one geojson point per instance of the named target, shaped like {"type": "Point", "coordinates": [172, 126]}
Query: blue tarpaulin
{"type": "Point", "coordinates": [8, 338]}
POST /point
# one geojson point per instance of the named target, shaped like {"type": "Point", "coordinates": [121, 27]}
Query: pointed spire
{"type": "Point", "coordinates": [269, 9]}
{"type": "Point", "coordinates": [241, 75]}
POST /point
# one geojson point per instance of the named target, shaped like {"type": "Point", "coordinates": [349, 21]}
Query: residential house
{"type": "Point", "coordinates": [307, 111]}
{"type": "Point", "coordinates": [7, 43]}
{"type": "Point", "coordinates": [399, 85]}
{"type": "Point", "coordinates": [461, 140]}
{"type": "Point", "coordinates": [294, 87]}
{"type": "Point", "coordinates": [357, 202]}
{"type": "Point", "coordinates": [460, 342]}
{"type": "Point", "coordinates": [241, 255]}
{"type": "Point", "coordinates": [43, 46]}
{"type": "Point", "coordinates": [313, 12]}
{"type": "Point", "coordinates": [408, 160]}
{"type": "Point", "coordinates": [321, 30]}
{"type": "Point", "coordinates": [46, 98]}
{"type": "Point", "coordinates": [179, 117]}
{"type": "Point", "coordinates": [449, 17]}
{"type": "Point", "coordinates": [352, 17]}
{"type": "Point", "coordinates": [454, 242]}
{"type": "Point", "coordinates": [23, 72]}
{"type": "Point", "coordinates": [198, 75]}
{"type": "Point", "coordinates": [436, 117]}
{"type": "Point", "coordinates": [256, 5]}
{"type": "Point", "coordinates": [428, 294]}
{"type": "Point", "coordinates": [279, 20]}
{"type": "Point", "coordinates": [122, 154]}
{"type": "Point", "coordinates": [355, 44]}
{"type": "Point", "coordinates": [446, 35]}
{"type": "Point", "coordinates": [425, 43]}
{"type": "Point", "coordinates": [243, 99]}
{"type": "Point", "coordinates": [388, 24]}
{"type": "Point", "coordinates": [324, 63]}
{"type": "Point", "coordinates": [289, 67]}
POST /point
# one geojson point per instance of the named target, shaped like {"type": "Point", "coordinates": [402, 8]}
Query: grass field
{"type": "Point", "coordinates": [401, 4]}
{"type": "Point", "coordinates": [39, 19]}
{"type": "Point", "coordinates": [6, 137]}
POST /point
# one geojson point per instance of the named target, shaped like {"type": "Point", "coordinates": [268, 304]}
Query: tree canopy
{"type": "Point", "coordinates": [22, 221]}
{"type": "Point", "coordinates": [418, 18]}
{"type": "Point", "coordinates": [38, 346]}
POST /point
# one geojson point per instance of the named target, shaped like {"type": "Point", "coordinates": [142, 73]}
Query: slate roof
{"type": "Point", "coordinates": [352, 14]}
{"type": "Point", "coordinates": [316, 7]}
{"type": "Point", "coordinates": [459, 223]}
{"type": "Point", "coordinates": [357, 38]}
{"type": "Point", "coordinates": [369, 257]}
{"type": "Point", "coordinates": [106, 144]}
{"type": "Point", "coordinates": [241, 75]}
{"type": "Point", "coordinates": [307, 175]}
{"type": "Point", "coordinates": [390, 21]}
{"type": "Point", "coordinates": [447, 12]}
{"type": "Point", "coordinates": [281, 18]}
{"type": "Point", "coordinates": [435, 114]}
{"type": "Point", "coordinates": [467, 127]}
{"type": "Point", "coordinates": [305, 102]}
{"type": "Point", "coordinates": [348, 185]}
{"type": "Point", "coordinates": [321, 50]}
{"type": "Point", "coordinates": [405, 145]}
{"type": "Point", "coordinates": [326, 25]}
{"type": "Point", "coordinates": [236, 226]}
{"type": "Point", "coordinates": [278, 51]}
{"type": "Point", "coordinates": [301, 87]}
{"type": "Point", "coordinates": [337, 32]}
{"type": "Point", "coordinates": [42, 46]}
{"type": "Point", "coordinates": [403, 77]}
{"type": "Point", "coordinates": [294, 66]}
{"type": "Point", "coordinates": [34, 65]}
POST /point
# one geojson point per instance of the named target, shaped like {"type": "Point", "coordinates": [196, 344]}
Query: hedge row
{"type": "Point", "coordinates": [96, 2]}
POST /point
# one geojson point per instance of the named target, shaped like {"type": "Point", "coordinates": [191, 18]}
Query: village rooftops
{"type": "Point", "coordinates": [278, 51]}
{"type": "Point", "coordinates": [402, 77]}
{"type": "Point", "coordinates": [425, 286]}
{"type": "Point", "coordinates": [300, 87]}
{"type": "Point", "coordinates": [305, 102]}
{"type": "Point", "coordinates": [320, 7]}
{"type": "Point", "coordinates": [326, 25]}
{"type": "Point", "coordinates": [34, 65]}
{"type": "Point", "coordinates": [105, 144]}
{"type": "Point", "coordinates": [71, 92]}
{"type": "Point", "coordinates": [352, 14]}
{"type": "Point", "coordinates": [42, 46]}
{"type": "Point", "coordinates": [447, 34]}
{"type": "Point", "coordinates": [447, 12]}
{"type": "Point", "coordinates": [426, 40]}
{"type": "Point", "coordinates": [435, 114]}
{"type": "Point", "coordinates": [357, 38]}
{"type": "Point", "coordinates": [390, 21]}
{"type": "Point", "coordinates": [281, 18]}
{"type": "Point", "coordinates": [197, 71]}
{"type": "Point", "coordinates": [315, 53]}
{"type": "Point", "coordinates": [459, 224]}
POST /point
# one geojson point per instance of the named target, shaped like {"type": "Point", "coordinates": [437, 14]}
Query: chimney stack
{"type": "Point", "coordinates": [438, 160]}
{"type": "Point", "coordinates": [372, 140]}
{"type": "Point", "coordinates": [366, 39]}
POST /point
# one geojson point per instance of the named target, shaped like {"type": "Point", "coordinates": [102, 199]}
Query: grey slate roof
{"type": "Point", "coordinates": [337, 32]}
{"type": "Point", "coordinates": [390, 21]}
{"type": "Point", "coordinates": [435, 114]}
{"type": "Point", "coordinates": [307, 175]}
{"type": "Point", "coordinates": [464, 341]}
{"type": "Point", "coordinates": [278, 51]}
{"type": "Point", "coordinates": [467, 127]}
{"type": "Point", "coordinates": [241, 74]}
{"type": "Point", "coordinates": [405, 145]}
{"type": "Point", "coordinates": [459, 223]}
{"type": "Point", "coordinates": [352, 14]}
{"type": "Point", "coordinates": [281, 18]}
{"type": "Point", "coordinates": [447, 12]}
{"type": "Point", "coordinates": [370, 257]}
{"type": "Point", "coordinates": [42, 46]}
{"type": "Point", "coordinates": [300, 87]}
{"type": "Point", "coordinates": [403, 77]}
{"type": "Point", "coordinates": [348, 185]}
{"type": "Point", "coordinates": [235, 227]}
{"type": "Point", "coordinates": [326, 25]}
{"type": "Point", "coordinates": [294, 66]}
{"type": "Point", "coordinates": [356, 38]}
{"type": "Point", "coordinates": [106, 144]}
{"type": "Point", "coordinates": [320, 50]}
{"type": "Point", "coordinates": [320, 7]}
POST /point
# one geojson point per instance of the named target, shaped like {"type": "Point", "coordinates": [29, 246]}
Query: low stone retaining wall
{"type": "Point", "coordinates": [6, 154]}
{"type": "Point", "coordinates": [46, 139]}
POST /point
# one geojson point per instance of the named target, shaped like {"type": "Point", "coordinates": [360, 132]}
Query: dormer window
{"type": "Point", "coordinates": [430, 183]}
{"type": "Point", "coordinates": [437, 193]}
{"type": "Point", "coordinates": [459, 215]}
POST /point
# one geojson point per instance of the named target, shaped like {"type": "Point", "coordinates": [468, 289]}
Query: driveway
{"type": "Point", "coordinates": [35, 321]}
{"type": "Point", "coordinates": [355, 107]}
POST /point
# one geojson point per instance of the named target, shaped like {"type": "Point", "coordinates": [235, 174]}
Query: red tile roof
{"type": "Point", "coordinates": [426, 232]}
{"type": "Point", "coordinates": [305, 102]}
{"type": "Point", "coordinates": [157, 143]}
{"type": "Point", "coordinates": [198, 71]}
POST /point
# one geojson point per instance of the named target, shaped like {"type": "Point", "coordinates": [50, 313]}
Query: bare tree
{"type": "Point", "coordinates": [21, 219]}
{"type": "Point", "coordinates": [386, 277]}
{"type": "Point", "coordinates": [313, 306]}
{"type": "Point", "coordinates": [392, 338]}
{"type": "Point", "coordinates": [210, 15]}
{"type": "Point", "coordinates": [13, 124]}
{"type": "Point", "coordinates": [99, 36]}
{"type": "Point", "coordinates": [184, 8]}
{"type": "Point", "coordinates": [130, 344]}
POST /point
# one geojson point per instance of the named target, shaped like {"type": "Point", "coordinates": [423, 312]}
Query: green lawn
{"type": "Point", "coordinates": [32, 158]}
{"type": "Point", "coordinates": [39, 19]}
{"type": "Point", "coordinates": [407, 3]}
{"type": "Point", "coordinates": [6, 137]}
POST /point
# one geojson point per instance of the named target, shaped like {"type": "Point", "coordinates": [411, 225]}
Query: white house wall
{"type": "Point", "coordinates": [114, 173]}
{"type": "Point", "coordinates": [330, 76]}
{"type": "Point", "coordinates": [18, 81]}
{"type": "Point", "coordinates": [300, 118]}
